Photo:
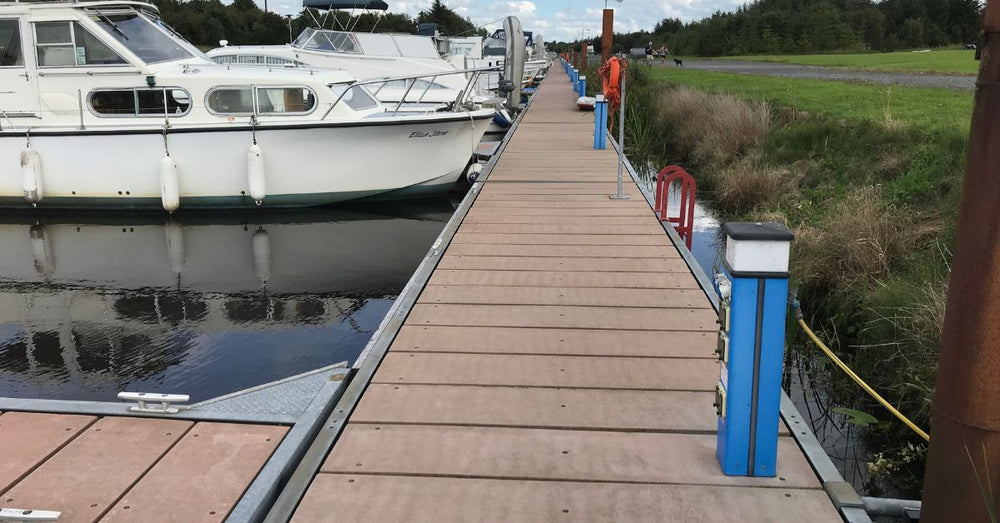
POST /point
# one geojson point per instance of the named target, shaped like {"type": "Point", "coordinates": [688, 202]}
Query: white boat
{"type": "Point", "coordinates": [108, 107]}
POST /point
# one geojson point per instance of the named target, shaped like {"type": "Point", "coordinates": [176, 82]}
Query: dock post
{"type": "Point", "coordinates": [581, 86]}
{"type": "Point", "coordinates": [600, 122]}
{"type": "Point", "coordinates": [621, 195]}
{"type": "Point", "coordinates": [752, 310]}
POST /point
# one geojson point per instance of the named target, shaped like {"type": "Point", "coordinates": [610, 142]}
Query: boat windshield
{"type": "Point", "coordinates": [150, 39]}
{"type": "Point", "coordinates": [326, 40]}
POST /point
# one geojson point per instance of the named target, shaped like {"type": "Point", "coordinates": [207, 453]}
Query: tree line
{"type": "Point", "coordinates": [206, 22]}
{"type": "Point", "coordinates": [814, 26]}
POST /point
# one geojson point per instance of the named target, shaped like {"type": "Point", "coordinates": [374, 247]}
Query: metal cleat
{"type": "Point", "coordinates": [20, 515]}
{"type": "Point", "coordinates": [152, 403]}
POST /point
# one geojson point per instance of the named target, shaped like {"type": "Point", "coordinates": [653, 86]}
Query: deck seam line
{"type": "Point", "coordinates": [564, 327]}
{"type": "Point", "coordinates": [563, 480]}
{"type": "Point", "coordinates": [515, 386]}
{"type": "Point", "coordinates": [148, 469]}
{"type": "Point", "coordinates": [559, 354]}
{"type": "Point", "coordinates": [562, 428]}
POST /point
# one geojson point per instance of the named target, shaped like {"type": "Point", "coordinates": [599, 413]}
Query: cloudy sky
{"type": "Point", "coordinates": [559, 20]}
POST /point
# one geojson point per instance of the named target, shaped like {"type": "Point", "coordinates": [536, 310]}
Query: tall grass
{"type": "Point", "coordinates": [873, 201]}
{"type": "Point", "coordinates": [712, 129]}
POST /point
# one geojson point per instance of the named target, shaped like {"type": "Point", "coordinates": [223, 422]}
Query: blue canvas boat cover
{"type": "Point", "coordinates": [374, 5]}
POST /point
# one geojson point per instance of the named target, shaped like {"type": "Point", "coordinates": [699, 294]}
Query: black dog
{"type": "Point", "coordinates": [678, 62]}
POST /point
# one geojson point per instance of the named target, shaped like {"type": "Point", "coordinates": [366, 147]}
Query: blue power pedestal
{"type": "Point", "coordinates": [600, 122]}
{"type": "Point", "coordinates": [752, 309]}
{"type": "Point", "coordinates": [581, 86]}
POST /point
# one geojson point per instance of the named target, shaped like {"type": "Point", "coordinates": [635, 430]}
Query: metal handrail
{"type": "Point", "coordinates": [413, 78]}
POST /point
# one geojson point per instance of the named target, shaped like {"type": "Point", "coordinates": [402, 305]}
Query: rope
{"type": "Point", "coordinates": [857, 379]}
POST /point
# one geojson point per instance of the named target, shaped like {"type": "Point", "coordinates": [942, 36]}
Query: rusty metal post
{"type": "Point", "coordinates": [965, 424]}
{"type": "Point", "coordinates": [583, 57]}
{"type": "Point", "coordinates": [606, 32]}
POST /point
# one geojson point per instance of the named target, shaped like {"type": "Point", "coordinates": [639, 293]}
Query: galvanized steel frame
{"type": "Point", "coordinates": [841, 493]}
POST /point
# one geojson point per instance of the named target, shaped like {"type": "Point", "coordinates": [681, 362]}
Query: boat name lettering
{"type": "Point", "coordinates": [427, 134]}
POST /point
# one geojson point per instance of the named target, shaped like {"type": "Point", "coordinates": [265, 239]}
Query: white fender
{"type": "Point", "coordinates": [31, 175]}
{"type": "Point", "coordinates": [169, 184]}
{"type": "Point", "coordinates": [41, 250]}
{"type": "Point", "coordinates": [513, 62]}
{"type": "Point", "coordinates": [255, 174]}
{"type": "Point", "coordinates": [262, 256]}
{"type": "Point", "coordinates": [175, 245]}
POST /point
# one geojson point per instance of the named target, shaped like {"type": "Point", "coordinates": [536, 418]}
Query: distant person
{"type": "Point", "coordinates": [663, 54]}
{"type": "Point", "coordinates": [649, 53]}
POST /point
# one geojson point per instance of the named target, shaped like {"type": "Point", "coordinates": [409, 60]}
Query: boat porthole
{"type": "Point", "coordinates": [128, 193]}
{"type": "Point", "coordinates": [74, 193]}
{"type": "Point", "coordinates": [119, 193]}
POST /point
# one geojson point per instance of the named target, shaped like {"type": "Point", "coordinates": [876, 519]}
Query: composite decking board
{"type": "Point", "coordinates": [612, 280]}
{"type": "Point", "coordinates": [584, 342]}
{"type": "Point", "coordinates": [564, 251]}
{"type": "Point", "coordinates": [558, 207]}
{"type": "Point", "coordinates": [583, 409]}
{"type": "Point", "coordinates": [500, 207]}
{"type": "Point", "coordinates": [518, 370]}
{"type": "Point", "coordinates": [407, 499]}
{"type": "Point", "coordinates": [508, 263]}
{"type": "Point", "coordinates": [548, 454]}
{"type": "Point", "coordinates": [556, 239]}
{"type": "Point", "coordinates": [92, 472]}
{"type": "Point", "coordinates": [209, 469]}
{"type": "Point", "coordinates": [489, 217]}
{"type": "Point", "coordinates": [582, 296]}
{"type": "Point", "coordinates": [571, 317]}
{"type": "Point", "coordinates": [578, 228]}
{"type": "Point", "coordinates": [27, 439]}
{"type": "Point", "coordinates": [553, 197]}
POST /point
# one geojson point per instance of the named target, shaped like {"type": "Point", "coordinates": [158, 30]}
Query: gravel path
{"type": "Point", "coordinates": [962, 83]}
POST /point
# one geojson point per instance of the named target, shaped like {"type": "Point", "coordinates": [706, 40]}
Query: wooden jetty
{"type": "Point", "coordinates": [558, 366]}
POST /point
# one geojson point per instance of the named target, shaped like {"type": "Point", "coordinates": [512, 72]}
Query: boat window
{"type": "Point", "coordinates": [332, 41]}
{"type": "Point", "coordinates": [252, 59]}
{"type": "Point", "coordinates": [418, 87]}
{"type": "Point", "coordinates": [357, 98]}
{"type": "Point", "coordinates": [68, 44]}
{"type": "Point", "coordinates": [166, 101]}
{"type": "Point", "coordinates": [10, 44]}
{"type": "Point", "coordinates": [285, 100]}
{"type": "Point", "coordinates": [230, 100]}
{"type": "Point", "coordinates": [140, 36]}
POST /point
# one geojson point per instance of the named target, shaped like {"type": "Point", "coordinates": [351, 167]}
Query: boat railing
{"type": "Point", "coordinates": [410, 81]}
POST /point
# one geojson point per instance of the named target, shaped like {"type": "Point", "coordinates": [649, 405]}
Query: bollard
{"type": "Point", "coordinates": [752, 307]}
{"type": "Point", "coordinates": [574, 78]}
{"type": "Point", "coordinates": [600, 122]}
{"type": "Point", "coordinates": [581, 86]}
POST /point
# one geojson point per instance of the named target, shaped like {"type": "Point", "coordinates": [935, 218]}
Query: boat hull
{"type": "Point", "coordinates": [304, 165]}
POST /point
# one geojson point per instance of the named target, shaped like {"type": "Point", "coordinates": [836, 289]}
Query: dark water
{"type": "Point", "coordinates": [202, 304]}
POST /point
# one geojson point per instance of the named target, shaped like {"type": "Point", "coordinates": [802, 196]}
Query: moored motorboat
{"type": "Point", "coordinates": [111, 108]}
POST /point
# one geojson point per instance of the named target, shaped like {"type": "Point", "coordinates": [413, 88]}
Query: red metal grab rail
{"type": "Point", "coordinates": [684, 221]}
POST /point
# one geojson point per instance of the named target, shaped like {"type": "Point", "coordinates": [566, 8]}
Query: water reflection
{"type": "Point", "coordinates": [201, 304]}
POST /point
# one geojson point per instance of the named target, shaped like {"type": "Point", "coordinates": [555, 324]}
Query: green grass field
{"type": "Point", "coordinates": [928, 109]}
{"type": "Point", "coordinates": [951, 61]}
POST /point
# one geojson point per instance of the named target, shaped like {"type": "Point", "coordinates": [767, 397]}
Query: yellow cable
{"type": "Point", "coordinates": [857, 379]}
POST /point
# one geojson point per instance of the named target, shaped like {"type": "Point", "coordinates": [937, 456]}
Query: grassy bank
{"type": "Point", "coordinates": [868, 177]}
{"type": "Point", "coordinates": [948, 61]}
